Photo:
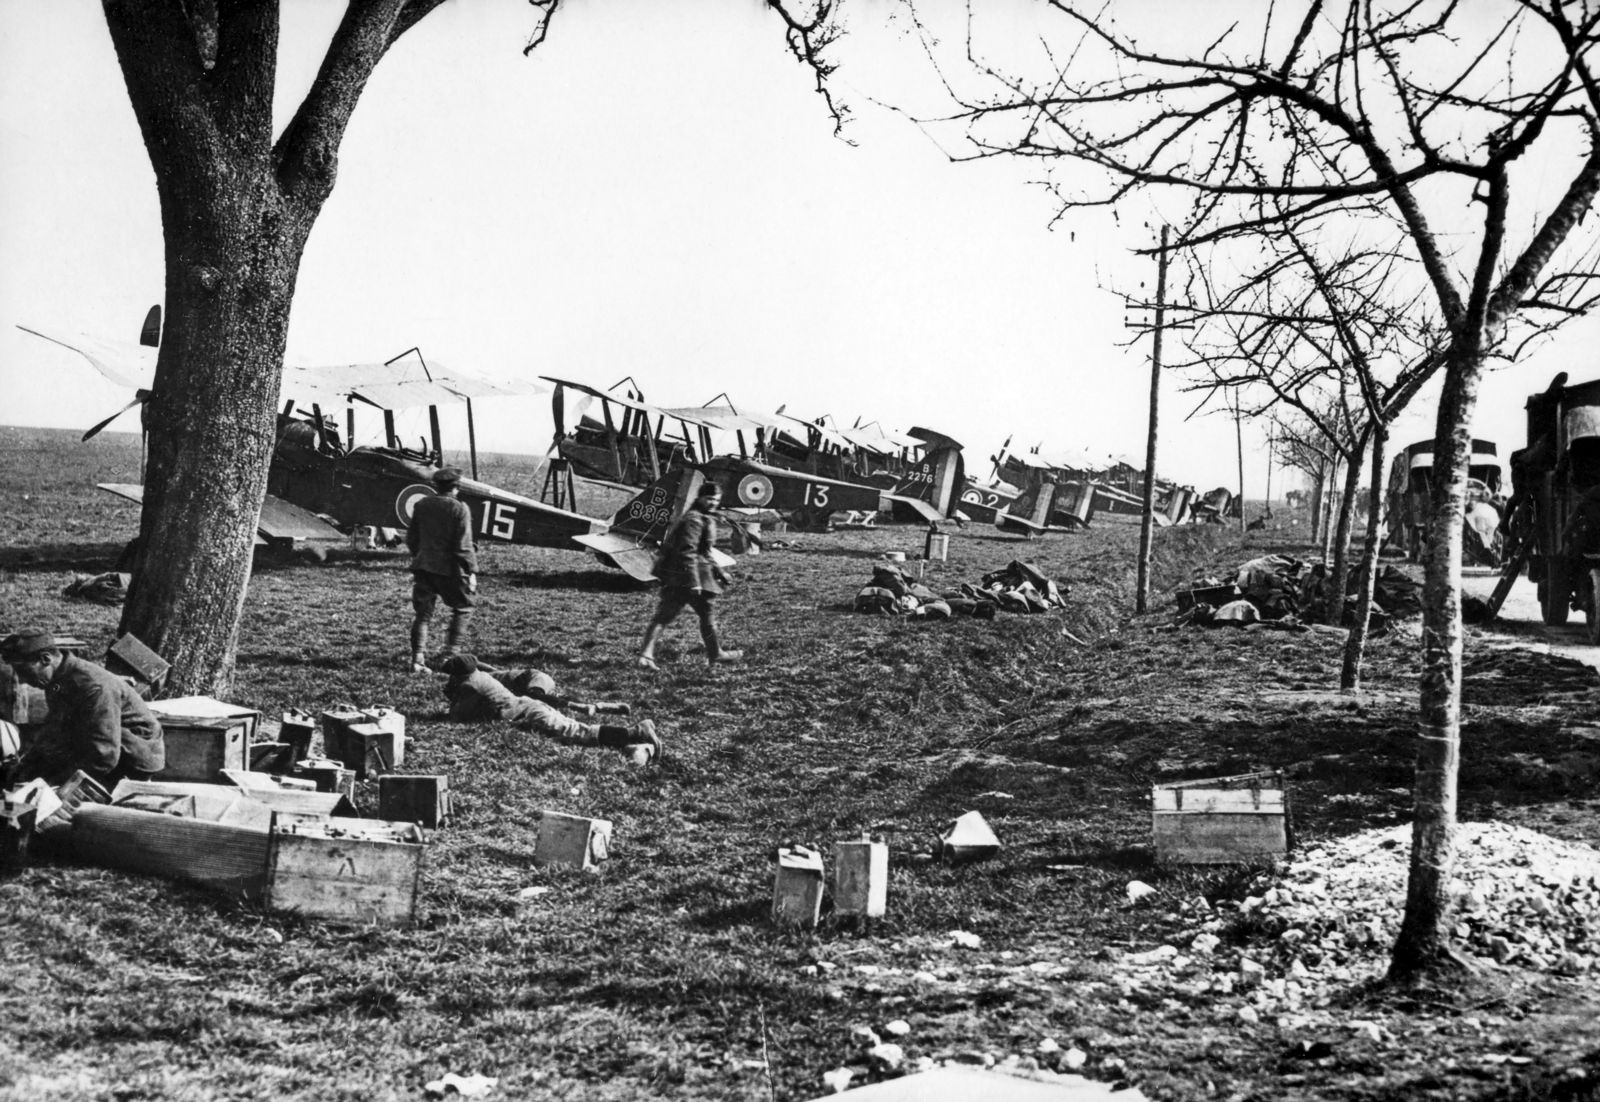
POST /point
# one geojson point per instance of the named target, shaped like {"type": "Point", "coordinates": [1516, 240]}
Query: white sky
{"type": "Point", "coordinates": [655, 192]}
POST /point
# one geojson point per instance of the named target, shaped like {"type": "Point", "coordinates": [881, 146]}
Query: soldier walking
{"type": "Point", "coordinates": [444, 566]}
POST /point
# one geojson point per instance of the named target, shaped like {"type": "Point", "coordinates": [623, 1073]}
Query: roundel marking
{"type": "Point", "coordinates": [405, 502]}
{"type": "Point", "coordinates": [755, 489]}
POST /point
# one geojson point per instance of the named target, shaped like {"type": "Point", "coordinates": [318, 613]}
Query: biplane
{"type": "Point", "coordinates": [631, 442]}
{"type": "Point", "coordinates": [1065, 490]}
{"type": "Point", "coordinates": [317, 476]}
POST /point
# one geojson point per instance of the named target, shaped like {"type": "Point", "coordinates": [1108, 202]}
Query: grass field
{"type": "Point", "coordinates": [661, 976]}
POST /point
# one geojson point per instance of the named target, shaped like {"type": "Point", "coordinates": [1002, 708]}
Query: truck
{"type": "Point", "coordinates": [1409, 494]}
{"type": "Point", "coordinates": [1554, 513]}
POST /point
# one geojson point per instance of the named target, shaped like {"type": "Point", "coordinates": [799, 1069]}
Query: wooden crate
{"type": "Point", "coordinates": [572, 840]}
{"type": "Point", "coordinates": [349, 735]}
{"type": "Point", "coordinates": [199, 750]}
{"type": "Point", "coordinates": [861, 878]}
{"type": "Point", "coordinates": [228, 857]}
{"type": "Point", "coordinates": [360, 871]}
{"type": "Point", "coordinates": [129, 657]}
{"type": "Point", "coordinates": [797, 887]}
{"type": "Point", "coordinates": [414, 799]}
{"type": "Point", "coordinates": [182, 709]}
{"type": "Point", "coordinates": [1222, 820]}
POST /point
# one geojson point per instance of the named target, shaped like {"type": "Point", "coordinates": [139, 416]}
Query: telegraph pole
{"type": "Point", "coordinates": [1147, 524]}
{"type": "Point", "coordinates": [1238, 440]}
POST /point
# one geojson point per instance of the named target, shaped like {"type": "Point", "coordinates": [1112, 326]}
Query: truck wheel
{"type": "Point", "coordinates": [1555, 597]}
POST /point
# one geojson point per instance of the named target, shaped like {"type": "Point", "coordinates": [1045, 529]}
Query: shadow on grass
{"type": "Point", "coordinates": [44, 558]}
{"type": "Point", "coordinates": [598, 581]}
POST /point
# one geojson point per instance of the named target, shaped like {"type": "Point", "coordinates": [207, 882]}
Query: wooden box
{"type": "Point", "coordinates": [797, 887]}
{"type": "Point", "coordinates": [296, 730]}
{"type": "Point", "coordinates": [1222, 820]}
{"type": "Point", "coordinates": [414, 799]}
{"type": "Point", "coordinates": [371, 749]}
{"type": "Point", "coordinates": [572, 840]}
{"type": "Point", "coordinates": [199, 750]}
{"type": "Point", "coordinates": [79, 789]}
{"type": "Point", "coordinates": [185, 708]}
{"type": "Point", "coordinates": [129, 657]}
{"type": "Point", "coordinates": [328, 776]}
{"type": "Point", "coordinates": [360, 871]}
{"type": "Point", "coordinates": [349, 735]}
{"type": "Point", "coordinates": [230, 857]}
{"type": "Point", "coordinates": [861, 878]}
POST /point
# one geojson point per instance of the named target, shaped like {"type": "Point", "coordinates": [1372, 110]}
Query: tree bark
{"type": "Point", "coordinates": [1355, 644]}
{"type": "Point", "coordinates": [1422, 946]}
{"type": "Point", "coordinates": [236, 210]}
{"type": "Point", "coordinates": [1340, 573]}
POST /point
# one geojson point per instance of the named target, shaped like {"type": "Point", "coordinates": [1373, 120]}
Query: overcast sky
{"type": "Point", "coordinates": [655, 192]}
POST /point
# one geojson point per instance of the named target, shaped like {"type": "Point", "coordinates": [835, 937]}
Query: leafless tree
{"type": "Point", "coordinates": [1470, 127]}
{"type": "Point", "coordinates": [1345, 341]}
{"type": "Point", "coordinates": [237, 205]}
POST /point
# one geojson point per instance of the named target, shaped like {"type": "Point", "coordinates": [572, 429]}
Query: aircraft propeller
{"type": "Point", "coordinates": [150, 337]}
{"type": "Point", "coordinates": [140, 397]}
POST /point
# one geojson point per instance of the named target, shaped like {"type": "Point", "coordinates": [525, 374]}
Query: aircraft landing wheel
{"type": "Point", "coordinates": [1555, 592]}
{"type": "Point", "coordinates": [809, 520]}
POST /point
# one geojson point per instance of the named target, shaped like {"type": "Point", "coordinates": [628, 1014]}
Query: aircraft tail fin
{"type": "Point", "coordinates": [648, 515]}
{"type": "Point", "coordinates": [150, 332]}
{"type": "Point", "coordinates": [939, 476]}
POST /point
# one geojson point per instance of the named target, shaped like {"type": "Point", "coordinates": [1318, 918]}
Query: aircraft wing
{"type": "Point", "coordinates": [280, 520]}
{"type": "Point", "coordinates": [628, 555]}
{"type": "Point", "coordinates": [400, 384]}
{"type": "Point", "coordinates": [283, 520]}
{"type": "Point", "coordinates": [924, 509]}
{"type": "Point", "coordinates": [403, 384]}
{"type": "Point", "coordinates": [720, 417]}
{"type": "Point", "coordinates": [605, 395]}
{"type": "Point", "coordinates": [130, 491]}
{"type": "Point", "coordinates": [633, 558]}
{"type": "Point", "coordinates": [124, 363]}
{"type": "Point", "coordinates": [874, 437]}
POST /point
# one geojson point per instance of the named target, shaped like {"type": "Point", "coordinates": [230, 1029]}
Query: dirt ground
{"type": "Point", "coordinates": [663, 977]}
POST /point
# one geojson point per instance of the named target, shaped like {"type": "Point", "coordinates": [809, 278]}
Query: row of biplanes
{"type": "Point", "coordinates": [322, 487]}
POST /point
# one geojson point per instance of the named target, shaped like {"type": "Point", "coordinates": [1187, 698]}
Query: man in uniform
{"type": "Point", "coordinates": [478, 694]}
{"type": "Point", "coordinates": [97, 722]}
{"type": "Point", "coordinates": [444, 565]}
{"type": "Point", "coordinates": [690, 576]}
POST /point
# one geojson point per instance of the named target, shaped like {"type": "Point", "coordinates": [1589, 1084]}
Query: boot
{"type": "Point", "coordinates": [636, 740]}
{"type": "Point", "coordinates": [419, 646]}
{"type": "Point", "coordinates": [457, 629]}
{"type": "Point", "coordinates": [647, 652]}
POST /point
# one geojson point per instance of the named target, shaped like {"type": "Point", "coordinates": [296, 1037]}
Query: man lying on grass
{"type": "Point", "coordinates": [479, 694]}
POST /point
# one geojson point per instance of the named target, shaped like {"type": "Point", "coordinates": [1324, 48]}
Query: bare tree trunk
{"type": "Point", "coordinates": [1328, 503]}
{"type": "Point", "coordinates": [1355, 644]}
{"type": "Point", "coordinates": [237, 206]}
{"type": "Point", "coordinates": [1421, 945]}
{"type": "Point", "coordinates": [1318, 493]}
{"type": "Point", "coordinates": [1340, 573]}
{"type": "Point", "coordinates": [212, 425]}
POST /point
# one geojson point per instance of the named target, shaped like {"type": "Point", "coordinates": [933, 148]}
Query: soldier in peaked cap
{"type": "Point", "coordinates": [444, 565]}
{"type": "Point", "coordinates": [97, 722]}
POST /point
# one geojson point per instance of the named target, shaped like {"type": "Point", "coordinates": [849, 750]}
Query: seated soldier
{"type": "Point", "coordinates": [96, 723]}
{"type": "Point", "coordinates": [528, 699]}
